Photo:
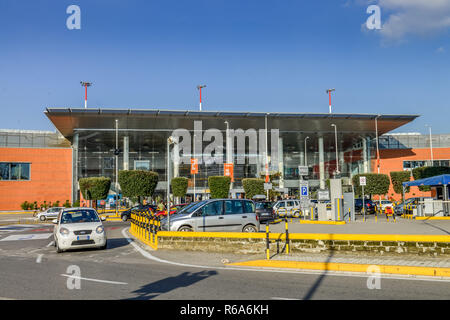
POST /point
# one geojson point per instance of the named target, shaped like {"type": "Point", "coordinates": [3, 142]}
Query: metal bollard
{"type": "Point", "coordinates": [267, 241]}
{"type": "Point", "coordinates": [287, 237]}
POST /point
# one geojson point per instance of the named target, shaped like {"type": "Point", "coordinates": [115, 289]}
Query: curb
{"type": "Point", "coordinates": [347, 267]}
{"type": "Point", "coordinates": [432, 218]}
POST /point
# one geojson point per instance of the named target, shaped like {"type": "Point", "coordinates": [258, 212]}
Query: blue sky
{"type": "Point", "coordinates": [272, 56]}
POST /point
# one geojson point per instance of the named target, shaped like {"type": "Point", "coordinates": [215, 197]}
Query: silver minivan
{"type": "Point", "coordinates": [215, 215]}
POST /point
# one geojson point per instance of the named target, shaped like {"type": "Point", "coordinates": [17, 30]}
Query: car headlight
{"type": "Point", "coordinates": [64, 231]}
{"type": "Point", "coordinates": [99, 229]}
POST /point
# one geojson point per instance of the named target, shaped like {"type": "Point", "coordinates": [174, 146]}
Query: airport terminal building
{"type": "Point", "coordinates": [93, 142]}
{"type": "Point", "coordinates": [297, 138]}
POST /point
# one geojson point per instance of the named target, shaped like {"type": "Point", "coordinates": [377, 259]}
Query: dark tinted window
{"type": "Point", "coordinates": [249, 206]}
{"type": "Point", "coordinates": [79, 216]}
{"type": "Point", "coordinates": [233, 207]}
{"type": "Point", "coordinates": [212, 209]}
{"type": "Point", "coordinates": [263, 205]}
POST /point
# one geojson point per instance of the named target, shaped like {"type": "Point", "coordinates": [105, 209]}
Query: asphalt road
{"type": "Point", "coordinates": [31, 269]}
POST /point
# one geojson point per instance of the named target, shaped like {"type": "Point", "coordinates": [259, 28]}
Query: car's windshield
{"type": "Point", "coordinates": [263, 205]}
{"type": "Point", "coordinates": [79, 216]}
{"type": "Point", "coordinates": [192, 207]}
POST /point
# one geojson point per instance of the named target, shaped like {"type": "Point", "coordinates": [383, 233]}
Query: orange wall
{"type": "Point", "coordinates": [392, 160]}
{"type": "Point", "coordinates": [50, 173]}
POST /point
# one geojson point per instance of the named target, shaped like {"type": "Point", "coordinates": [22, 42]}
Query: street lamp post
{"type": "Point", "coordinates": [199, 87]}
{"type": "Point", "coordinates": [170, 140]}
{"type": "Point", "coordinates": [85, 85]}
{"type": "Point", "coordinates": [431, 145]}
{"type": "Point", "coordinates": [329, 97]}
{"type": "Point", "coordinates": [335, 139]}
{"type": "Point", "coordinates": [116, 153]}
{"type": "Point", "coordinates": [378, 150]}
{"type": "Point", "coordinates": [306, 159]}
{"type": "Point", "coordinates": [267, 159]}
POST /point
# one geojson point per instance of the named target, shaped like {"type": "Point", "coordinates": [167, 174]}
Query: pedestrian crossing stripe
{"type": "Point", "coordinates": [33, 236]}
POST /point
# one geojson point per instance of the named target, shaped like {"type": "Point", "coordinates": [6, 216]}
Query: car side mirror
{"type": "Point", "coordinates": [55, 221]}
{"type": "Point", "coordinates": [103, 218]}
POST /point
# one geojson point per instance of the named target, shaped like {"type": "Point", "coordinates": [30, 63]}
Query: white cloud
{"type": "Point", "coordinates": [403, 18]}
{"type": "Point", "coordinates": [440, 50]}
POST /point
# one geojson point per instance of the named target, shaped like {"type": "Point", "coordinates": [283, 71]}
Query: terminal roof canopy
{"type": "Point", "coordinates": [351, 127]}
{"type": "Point", "coordinates": [443, 179]}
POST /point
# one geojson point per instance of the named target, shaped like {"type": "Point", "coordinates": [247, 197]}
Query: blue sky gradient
{"type": "Point", "coordinates": [271, 56]}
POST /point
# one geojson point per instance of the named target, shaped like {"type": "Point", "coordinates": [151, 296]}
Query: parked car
{"type": "Point", "coordinates": [79, 228]}
{"type": "Point", "coordinates": [215, 215]}
{"type": "Point", "coordinates": [125, 215]}
{"type": "Point", "coordinates": [384, 204]}
{"type": "Point", "coordinates": [398, 209]}
{"type": "Point", "coordinates": [369, 206]}
{"type": "Point", "coordinates": [174, 209]}
{"type": "Point", "coordinates": [50, 213]}
{"type": "Point", "coordinates": [265, 211]}
{"type": "Point", "coordinates": [287, 208]}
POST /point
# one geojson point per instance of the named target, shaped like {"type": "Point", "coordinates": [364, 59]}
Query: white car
{"type": "Point", "coordinates": [77, 228]}
{"type": "Point", "coordinates": [50, 213]}
{"type": "Point", "coordinates": [287, 208]}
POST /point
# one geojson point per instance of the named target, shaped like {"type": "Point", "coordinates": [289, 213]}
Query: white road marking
{"type": "Point", "coordinates": [94, 280]}
{"type": "Point", "coordinates": [147, 255]}
{"type": "Point", "coordinates": [33, 236]}
{"type": "Point", "coordinates": [39, 258]}
{"type": "Point", "coordinates": [50, 244]}
{"type": "Point", "coordinates": [278, 298]}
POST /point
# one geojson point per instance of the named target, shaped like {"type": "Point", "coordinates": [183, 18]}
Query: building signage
{"type": "Point", "coordinates": [228, 170]}
{"type": "Point", "coordinates": [194, 166]}
{"type": "Point", "coordinates": [303, 170]}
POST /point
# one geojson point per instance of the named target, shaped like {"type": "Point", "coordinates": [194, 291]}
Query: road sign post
{"type": "Point", "coordinates": [362, 183]}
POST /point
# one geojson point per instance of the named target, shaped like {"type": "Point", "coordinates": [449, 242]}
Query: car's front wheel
{"type": "Point", "coordinates": [249, 228]}
{"type": "Point", "coordinates": [42, 218]}
{"type": "Point", "coordinates": [124, 218]}
{"type": "Point", "coordinates": [58, 250]}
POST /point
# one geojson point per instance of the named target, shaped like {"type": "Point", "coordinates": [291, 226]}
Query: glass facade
{"type": "Point", "coordinates": [32, 139]}
{"type": "Point", "coordinates": [14, 171]}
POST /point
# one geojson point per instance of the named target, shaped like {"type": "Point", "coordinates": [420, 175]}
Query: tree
{"type": "Point", "coordinates": [179, 186]}
{"type": "Point", "coordinates": [397, 179]}
{"type": "Point", "coordinates": [427, 172]}
{"type": "Point", "coordinates": [138, 183]}
{"type": "Point", "coordinates": [375, 184]}
{"type": "Point", "coordinates": [95, 188]}
{"type": "Point", "coordinates": [252, 187]}
{"type": "Point", "coordinates": [219, 186]}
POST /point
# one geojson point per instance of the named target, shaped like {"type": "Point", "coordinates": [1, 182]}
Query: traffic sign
{"type": "Point", "coordinates": [303, 171]}
{"type": "Point", "coordinates": [267, 186]}
{"type": "Point", "coordinates": [362, 181]}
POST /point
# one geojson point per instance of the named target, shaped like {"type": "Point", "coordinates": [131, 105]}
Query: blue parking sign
{"type": "Point", "coordinates": [304, 191]}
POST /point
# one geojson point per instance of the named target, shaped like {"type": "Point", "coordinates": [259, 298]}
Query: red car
{"type": "Point", "coordinates": [173, 209]}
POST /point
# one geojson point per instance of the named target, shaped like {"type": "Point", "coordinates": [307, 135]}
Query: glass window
{"type": "Point", "coordinates": [263, 205]}
{"type": "Point", "coordinates": [290, 203]}
{"type": "Point", "coordinates": [15, 171]}
{"type": "Point", "coordinates": [142, 165]}
{"type": "Point", "coordinates": [4, 171]}
{"type": "Point", "coordinates": [212, 209]}
{"type": "Point", "coordinates": [24, 171]}
{"type": "Point", "coordinates": [233, 207]}
{"type": "Point", "coordinates": [250, 206]}
{"type": "Point", "coordinates": [281, 205]}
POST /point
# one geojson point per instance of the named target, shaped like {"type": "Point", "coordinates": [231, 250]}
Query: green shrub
{"type": "Point", "coordinates": [375, 184]}
{"type": "Point", "coordinates": [252, 187]}
{"type": "Point", "coordinates": [397, 179]}
{"type": "Point", "coordinates": [179, 186]}
{"type": "Point", "coordinates": [95, 188]}
{"type": "Point", "coordinates": [66, 204]}
{"type": "Point", "coordinates": [219, 186]}
{"type": "Point", "coordinates": [138, 183]}
{"type": "Point", "coordinates": [24, 205]}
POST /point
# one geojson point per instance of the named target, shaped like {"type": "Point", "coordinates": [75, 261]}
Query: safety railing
{"type": "Point", "coordinates": [408, 211]}
{"type": "Point", "coordinates": [145, 226]}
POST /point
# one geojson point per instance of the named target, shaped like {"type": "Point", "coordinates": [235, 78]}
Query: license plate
{"type": "Point", "coordinates": [82, 237]}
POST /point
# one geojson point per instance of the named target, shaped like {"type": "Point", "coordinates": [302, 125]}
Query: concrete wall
{"type": "Point", "coordinates": [258, 245]}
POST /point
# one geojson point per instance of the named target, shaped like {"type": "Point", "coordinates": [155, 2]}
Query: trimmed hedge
{"type": "Point", "coordinates": [375, 184]}
{"type": "Point", "coordinates": [252, 187]}
{"type": "Point", "coordinates": [179, 186]}
{"type": "Point", "coordinates": [219, 186]}
{"type": "Point", "coordinates": [95, 188]}
{"type": "Point", "coordinates": [397, 179]}
{"type": "Point", "coordinates": [426, 172]}
{"type": "Point", "coordinates": [138, 183]}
